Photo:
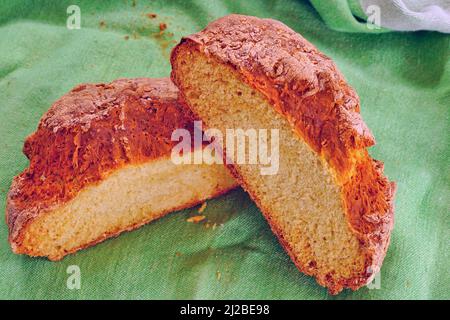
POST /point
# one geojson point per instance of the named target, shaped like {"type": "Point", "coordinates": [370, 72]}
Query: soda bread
{"type": "Point", "coordinates": [329, 204]}
{"type": "Point", "coordinates": [100, 164]}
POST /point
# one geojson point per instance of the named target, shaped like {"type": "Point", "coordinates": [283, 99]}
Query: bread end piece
{"type": "Point", "coordinates": [100, 164]}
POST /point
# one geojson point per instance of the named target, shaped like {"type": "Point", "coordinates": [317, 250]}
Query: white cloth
{"type": "Point", "coordinates": [412, 15]}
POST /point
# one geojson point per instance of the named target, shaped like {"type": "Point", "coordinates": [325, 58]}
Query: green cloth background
{"type": "Point", "coordinates": [403, 80]}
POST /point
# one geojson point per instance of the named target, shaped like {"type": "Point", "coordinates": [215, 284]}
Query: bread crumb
{"type": "Point", "coordinates": [211, 225]}
{"type": "Point", "coordinates": [178, 254]}
{"type": "Point", "coordinates": [102, 24]}
{"type": "Point", "coordinates": [162, 26]}
{"type": "Point", "coordinates": [202, 207]}
{"type": "Point", "coordinates": [196, 219]}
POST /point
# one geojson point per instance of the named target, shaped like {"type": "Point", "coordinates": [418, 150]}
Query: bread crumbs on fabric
{"type": "Point", "coordinates": [202, 207]}
{"type": "Point", "coordinates": [162, 26]}
{"type": "Point", "coordinates": [196, 219]}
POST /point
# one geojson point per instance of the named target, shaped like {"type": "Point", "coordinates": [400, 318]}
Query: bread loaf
{"type": "Point", "coordinates": [100, 164]}
{"type": "Point", "coordinates": [329, 203]}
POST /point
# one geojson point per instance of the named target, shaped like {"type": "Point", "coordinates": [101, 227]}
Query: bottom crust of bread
{"type": "Point", "coordinates": [126, 199]}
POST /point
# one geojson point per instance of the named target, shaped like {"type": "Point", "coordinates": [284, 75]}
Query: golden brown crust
{"type": "Point", "coordinates": [305, 86]}
{"type": "Point", "coordinates": [87, 134]}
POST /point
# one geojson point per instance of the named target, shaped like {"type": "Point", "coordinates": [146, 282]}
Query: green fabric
{"type": "Point", "coordinates": [403, 80]}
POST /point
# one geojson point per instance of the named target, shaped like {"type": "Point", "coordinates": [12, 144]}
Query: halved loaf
{"type": "Point", "coordinates": [100, 164]}
{"type": "Point", "coordinates": [329, 204]}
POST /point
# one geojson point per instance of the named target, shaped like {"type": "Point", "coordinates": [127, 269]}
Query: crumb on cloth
{"type": "Point", "coordinates": [202, 207]}
{"type": "Point", "coordinates": [196, 219]}
{"type": "Point", "coordinates": [162, 26]}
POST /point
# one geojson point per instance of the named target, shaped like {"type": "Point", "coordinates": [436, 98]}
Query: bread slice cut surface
{"type": "Point", "coordinates": [329, 202]}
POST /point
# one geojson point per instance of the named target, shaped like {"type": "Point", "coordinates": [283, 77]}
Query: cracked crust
{"type": "Point", "coordinates": [304, 86]}
{"type": "Point", "coordinates": [86, 135]}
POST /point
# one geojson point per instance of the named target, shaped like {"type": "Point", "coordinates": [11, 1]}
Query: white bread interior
{"type": "Point", "coordinates": [303, 202]}
{"type": "Point", "coordinates": [126, 199]}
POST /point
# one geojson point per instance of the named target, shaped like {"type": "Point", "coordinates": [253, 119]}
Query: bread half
{"type": "Point", "coordinates": [329, 203]}
{"type": "Point", "coordinates": [100, 164]}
